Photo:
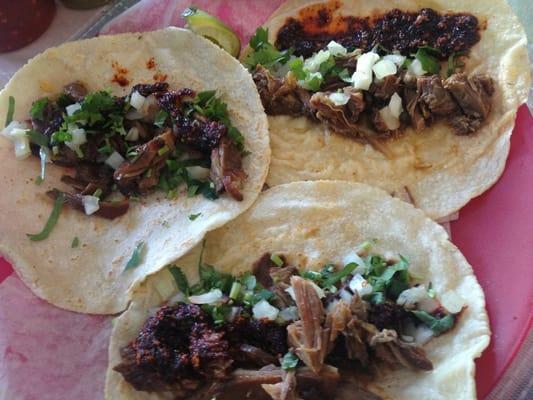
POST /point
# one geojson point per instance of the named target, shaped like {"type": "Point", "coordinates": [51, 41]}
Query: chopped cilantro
{"type": "Point", "coordinates": [75, 242]}
{"type": "Point", "coordinates": [38, 107]}
{"type": "Point", "coordinates": [428, 58]}
{"type": "Point", "coordinates": [276, 260]}
{"type": "Point", "coordinates": [137, 256]}
{"type": "Point", "coordinates": [454, 62]}
{"type": "Point", "coordinates": [51, 222]}
{"type": "Point", "coordinates": [192, 217]}
{"type": "Point", "coordinates": [61, 136]}
{"type": "Point", "coordinates": [161, 118]}
{"type": "Point", "coordinates": [180, 278]}
{"type": "Point", "coordinates": [10, 110]}
{"type": "Point", "coordinates": [390, 280]}
{"type": "Point", "coordinates": [289, 361]}
{"type": "Point", "coordinates": [37, 138]}
{"type": "Point", "coordinates": [437, 325]}
{"type": "Point", "coordinates": [263, 52]}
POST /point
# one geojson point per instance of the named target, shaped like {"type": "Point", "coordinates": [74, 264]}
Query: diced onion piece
{"type": "Point", "coordinates": [165, 284]}
{"type": "Point", "coordinates": [312, 64]}
{"type": "Point", "coordinates": [355, 258]}
{"type": "Point", "coordinates": [78, 138]}
{"type": "Point", "coordinates": [397, 59]}
{"type": "Point", "coordinates": [422, 334]}
{"type": "Point", "coordinates": [211, 297]}
{"type": "Point", "coordinates": [384, 68]}
{"type": "Point", "coordinates": [318, 290]}
{"type": "Point", "coordinates": [336, 49]}
{"type": "Point", "coordinates": [290, 291]}
{"type": "Point", "coordinates": [339, 99]}
{"type": "Point", "coordinates": [137, 100]}
{"type": "Point", "coordinates": [362, 77]}
{"type": "Point", "coordinates": [44, 155]}
{"type": "Point", "coordinates": [71, 109]}
{"type": "Point", "coordinates": [346, 296]}
{"type": "Point", "coordinates": [14, 129]}
{"type": "Point", "coordinates": [395, 105]}
{"type": "Point", "coordinates": [390, 120]}
{"type": "Point", "coordinates": [233, 313]}
{"type": "Point", "coordinates": [91, 204]}
{"type": "Point", "coordinates": [199, 173]}
{"type": "Point", "coordinates": [360, 285]}
{"type": "Point", "coordinates": [416, 68]}
{"type": "Point", "coordinates": [289, 313]}
{"type": "Point", "coordinates": [264, 309]}
{"type": "Point", "coordinates": [132, 135]}
{"type": "Point", "coordinates": [114, 160]}
{"type": "Point", "coordinates": [22, 147]}
{"type": "Point", "coordinates": [417, 297]}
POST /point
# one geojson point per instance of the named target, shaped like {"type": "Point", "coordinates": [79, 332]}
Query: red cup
{"type": "Point", "coordinates": [23, 21]}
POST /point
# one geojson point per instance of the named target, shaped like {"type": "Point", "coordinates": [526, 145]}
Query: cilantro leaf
{"type": "Point", "coordinates": [180, 278]}
{"type": "Point", "coordinates": [454, 62]}
{"type": "Point", "coordinates": [10, 110]}
{"type": "Point", "coordinates": [137, 256]}
{"type": "Point", "coordinates": [51, 222]}
{"type": "Point", "coordinates": [437, 325]}
{"type": "Point", "coordinates": [263, 52]}
{"type": "Point", "coordinates": [75, 242]}
{"type": "Point", "coordinates": [428, 58]}
{"type": "Point", "coordinates": [37, 108]}
{"type": "Point", "coordinates": [192, 217]}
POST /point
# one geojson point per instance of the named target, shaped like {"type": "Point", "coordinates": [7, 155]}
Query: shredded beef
{"type": "Point", "coordinates": [226, 169]}
{"type": "Point", "coordinates": [433, 98]}
{"type": "Point", "coordinates": [387, 315]}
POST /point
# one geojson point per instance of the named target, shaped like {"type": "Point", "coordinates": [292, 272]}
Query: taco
{"type": "Point", "coordinates": [128, 149]}
{"type": "Point", "coordinates": [321, 289]}
{"type": "Point", "coordinates": [417, 97]}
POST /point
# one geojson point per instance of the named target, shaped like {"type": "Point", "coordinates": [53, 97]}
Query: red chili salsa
{"type": "Point", "coordinates": [397, 30]}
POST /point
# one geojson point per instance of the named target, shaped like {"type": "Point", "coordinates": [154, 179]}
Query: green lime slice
{"type": "Point", "coordinates": [212, 28]}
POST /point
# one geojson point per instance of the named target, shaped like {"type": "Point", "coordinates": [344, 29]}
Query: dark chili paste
{"type": "Point", "coordinates": [395, 30]}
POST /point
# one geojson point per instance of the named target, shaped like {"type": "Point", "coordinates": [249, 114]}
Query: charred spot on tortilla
{"type": "Point", "coordinates": [119, 74]}
{"type": "Point", "coordinates": [150, 64]}
{"type": "Point", "coordinates": [118, 147]}
{"type": "Point", "coordinates": [369, 78]}
{"type": "Point", "coordinates": [251, 331]}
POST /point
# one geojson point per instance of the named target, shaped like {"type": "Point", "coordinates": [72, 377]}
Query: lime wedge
{"type": "Point", "coordinates": [212, 28]}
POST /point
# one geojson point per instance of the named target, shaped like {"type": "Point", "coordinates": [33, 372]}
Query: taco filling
{"type": "Point", "coordinates": [282, 333]}
{"type": "Point", "coordinates": [370, 78]}
{"type": "Point", "coordinates": [122, 147]}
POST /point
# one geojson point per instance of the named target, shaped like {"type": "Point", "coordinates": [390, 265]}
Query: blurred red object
{"type": "Point", "coordinates": [23, 21]}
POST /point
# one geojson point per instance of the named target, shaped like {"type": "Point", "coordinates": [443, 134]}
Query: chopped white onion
{"type": "Point", "coordinates": [355, 258]}
{"type": "Point", "coordinates": [408, 339]}
{"type": "Point", "coordinates": [91, 204]}
{"type": "Point", "coordinates": [289, 313]}
{"type": "Point", "coordinates": [395, 105]}
{"type": "Point", "coordinates": [409, 298]}
{"type": "Point", "coordinates": [336, 49]}
{"type": "Point", "coordinates": [318, 290]}
{"type": "Point", "coordinates": [312, 64]}
{"type": "Point", "coordinates": [199, 173]}
{"type": "Point", "coordinates": [360, 285]}
{"type": "Point", "coordinates": [390, 120]}
{"type": "Point", "coordinates": [416, 68]}
{"type": "Point", "coordinates": [339, 99]}
{"type": "Point", "coordinates": [15, 129]}
{"type": "Point", "coordinates": [71, 109]}
{"type": "Point", "coordinates": [290, 291]}
{"type": "Point", "coordinates": [397, 59]}
{"type": "Point", "coordinates": [211, 297]}
{"type": "Point", "coordinates": [22, 147]}
{"type": "Point", "coordinates": [114, 160]}
{"type": "Point", "coordinates": [422, 334]}
{"type": "Point", "coordinates": [346, 296]}
{"type": "Point", "coordinates": [132, 135]}
{"type": "Point", "coordinates": [362, 77]}
{"type": "Point", "coordinates": [78, 138]}
{"type": "Point", "coordinates": [137, 100]}
{"type": "Point", "coordinates": [264, 309]}
{"type": "Point", "coordinates": [233, 313]}
{"type": "Point", "coordinates": [310, 77]}
{"type": "Point", "coordinates": [44, 155]}
{"type": "Point", "coordinates": [384, 68]}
